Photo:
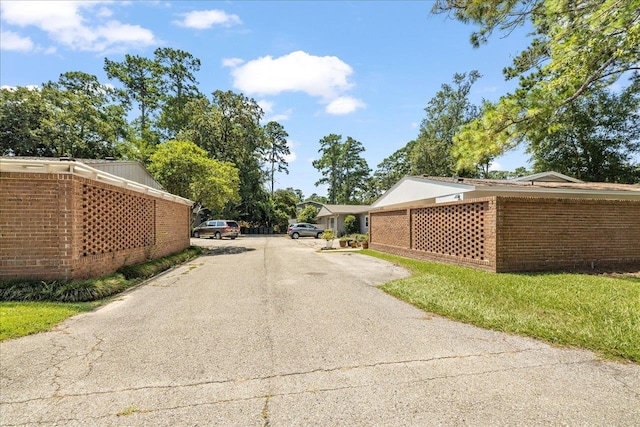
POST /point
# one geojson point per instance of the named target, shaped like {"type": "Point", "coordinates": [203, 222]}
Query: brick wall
{"type": "Point", "coordinates": [538, 234]}
{"type": "Point", "coordinates": [63, 226]}
{"type": "Point", "coordinates": [504, 234]}
{"type": "Point", "coordinates": [456, 232]}
{"type": "Point", "coordinates": [391, 228]}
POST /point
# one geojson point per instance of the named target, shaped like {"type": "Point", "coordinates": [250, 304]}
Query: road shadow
{"type": "Point", "coordinates": [226, 250]}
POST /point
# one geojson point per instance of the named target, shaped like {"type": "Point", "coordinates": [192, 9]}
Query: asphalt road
{"type": "Point", "coordinates": [268, 331]}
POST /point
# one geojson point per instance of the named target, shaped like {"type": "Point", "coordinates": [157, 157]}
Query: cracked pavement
{"type": "Point", "coordinates": [268, 331]}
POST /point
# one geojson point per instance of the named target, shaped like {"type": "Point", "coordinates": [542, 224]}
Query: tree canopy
{"type": "Point", "coordinates": [446, 113]}
{"type": "Point", "coordinates": [343, 168]}
{"type": "Point", "coordinates": [185, 169]}
{"type": "Point", "coordinates": [576, 48]}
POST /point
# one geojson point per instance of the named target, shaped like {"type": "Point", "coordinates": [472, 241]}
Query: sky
{"type": "Point", "coordinates": [364, 69]}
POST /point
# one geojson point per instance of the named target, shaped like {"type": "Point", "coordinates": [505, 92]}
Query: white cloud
{"type": "Point", "coordinates": [232, 62]}
{"type": "Point", "coordinates": [14, 41]}
{"type": "Point", "coordinates": [205, 19]}
{"type": "Point", "coordinates": [79, 25]}
{"type": "Point", "coordinates": [281, 117]}
{"type": "Point", "coordinates": [290, 158]}
{"type": "Point", "coordinates": [267, 106]}
{"type": "Point", "coordinates": [415, 125]}
{"type": "Point", "coordinates": [344, 105]}
{"type": "Point", "coordinates": [495, 166]}
{"type": "Point", "coordinates": [319, 76]}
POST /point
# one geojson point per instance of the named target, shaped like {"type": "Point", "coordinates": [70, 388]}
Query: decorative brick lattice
{"type": "Point", "coordinates": [456, 230]}
{"type": "Point", "coordinates": [115, 221]}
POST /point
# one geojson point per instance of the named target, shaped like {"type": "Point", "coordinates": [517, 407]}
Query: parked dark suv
{"type": "Point", "coordinates": [217, 229]}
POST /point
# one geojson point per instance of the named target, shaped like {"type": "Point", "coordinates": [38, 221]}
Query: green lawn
{"type": "Point", "coordinates": [24, 318]}
{"type": "Point", "coordinates": [32, 306]}
{"type": "Point", "coordinates": [588, 311]}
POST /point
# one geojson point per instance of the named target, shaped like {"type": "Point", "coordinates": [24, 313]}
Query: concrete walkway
{"type": "Point", "coordinates": [269, 331]}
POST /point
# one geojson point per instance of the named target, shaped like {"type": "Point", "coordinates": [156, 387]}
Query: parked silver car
{"type": "Point", "coordinates": [218, 229]}
{"type": "Point", "coordinates": [304, 229]}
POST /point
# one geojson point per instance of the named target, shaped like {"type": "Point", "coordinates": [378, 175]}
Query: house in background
{"type": "Point", "coordinates": [333, 216]}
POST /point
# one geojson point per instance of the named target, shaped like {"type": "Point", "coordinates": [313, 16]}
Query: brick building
{"type": "Point", "coordinates": [537, 223]}
{"type": "Point", "coordinates": [68, 220]}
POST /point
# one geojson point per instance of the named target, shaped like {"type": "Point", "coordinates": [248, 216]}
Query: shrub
{"type": "Point", "coordinates": [91, 289]}
{"type": "Point", "coordinates": [328, 235]}
{"type": "Point", "coordinates": [308, 214]}
{"type": "Point", "coordinates": [351, 225]}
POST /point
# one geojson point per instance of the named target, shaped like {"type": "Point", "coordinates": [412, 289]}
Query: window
{"type": "Point", "coordinates": [366, 221]}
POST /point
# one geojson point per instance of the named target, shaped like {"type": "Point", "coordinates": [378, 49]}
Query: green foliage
{"type": "Point", "coordinates": [91, 289]}
{"type": "Point", "coordinates": [276, 150]}
{"type": "Point", "coordinates": [588, 311]}
{"type": "Point", "coordinates": [151, 268]}
{"type": "Point", "coordinates": [284, 207]}
{"type": "Point", "coordinates": [576, 48]}
{"type": "Point", "coordinates": [328, 234]}
{"type": "Point", "coordinates": [86, 290]}
{"type": "Point", "coordinates": [75, 116]}
{"type": "Point", "coordinates": [184, 169]}
{"type": "Point", "coordinates": [342, 167]}
{"type": "Point", "coordinates": [392, 169]}
{"type": "Point", "coordinates": [178, 86]}
{"type": "Point", "coordinates": [25, 318]}
{"type": "Point", "coordinates": [228, 128]}
{"type": "Point", "coordinates": [597, 141]}
{"type": "Point", "coordinates": [142, 80]}
{"type": "Point", "coordinates": [23, 112]}
{"type": "Point", "coordinates": [447, 112]}
{"type": "Point", "coordinates": [351, 224]}
{"type": "Point", "coordinates": [308, 214]}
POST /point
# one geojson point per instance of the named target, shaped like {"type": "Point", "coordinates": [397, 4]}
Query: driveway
{"type": "Point", "coordinates": [268, 331]}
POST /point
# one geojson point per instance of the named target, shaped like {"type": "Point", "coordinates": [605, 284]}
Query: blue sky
{"type": "Point", "coordinates": [364, 69]}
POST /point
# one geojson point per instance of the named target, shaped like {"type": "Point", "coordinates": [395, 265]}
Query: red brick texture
{"type": "Point", "coordinates": [62, 226]}
{"type": "Point", "coordinates": [564, 234]}
{"type": "Point", "coordinates": [503, 234]}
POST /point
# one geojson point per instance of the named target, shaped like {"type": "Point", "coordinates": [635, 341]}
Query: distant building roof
{"type": "Point", "coordinates": [343, 210]}
{"type": "Point", "coordinates": [550, 176]}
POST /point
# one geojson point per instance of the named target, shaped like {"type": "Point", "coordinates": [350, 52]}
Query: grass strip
{"type": "Point", "coordinates": [18, 319]}
{"type": "Point", "coordinates": [30, 306]}
{"type": "Point", "coordinates": [595, 312]}
{"type": "Point", "coordinates": [92, 289]}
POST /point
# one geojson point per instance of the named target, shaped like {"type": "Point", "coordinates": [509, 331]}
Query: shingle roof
{"type": "Point", "coordinates": [347, 209]}
{"type": "Point", "coordinates": [521, 184]}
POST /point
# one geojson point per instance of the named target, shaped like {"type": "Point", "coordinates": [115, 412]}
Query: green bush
{"type": "Point", "coordinates": [351, 225]}
{"type": "Point", "coordinates": [308, 214]}
{"type": "Point", "coordinates": [91, 289]}
{"type": "Point", "coordinates": [328, 234]}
